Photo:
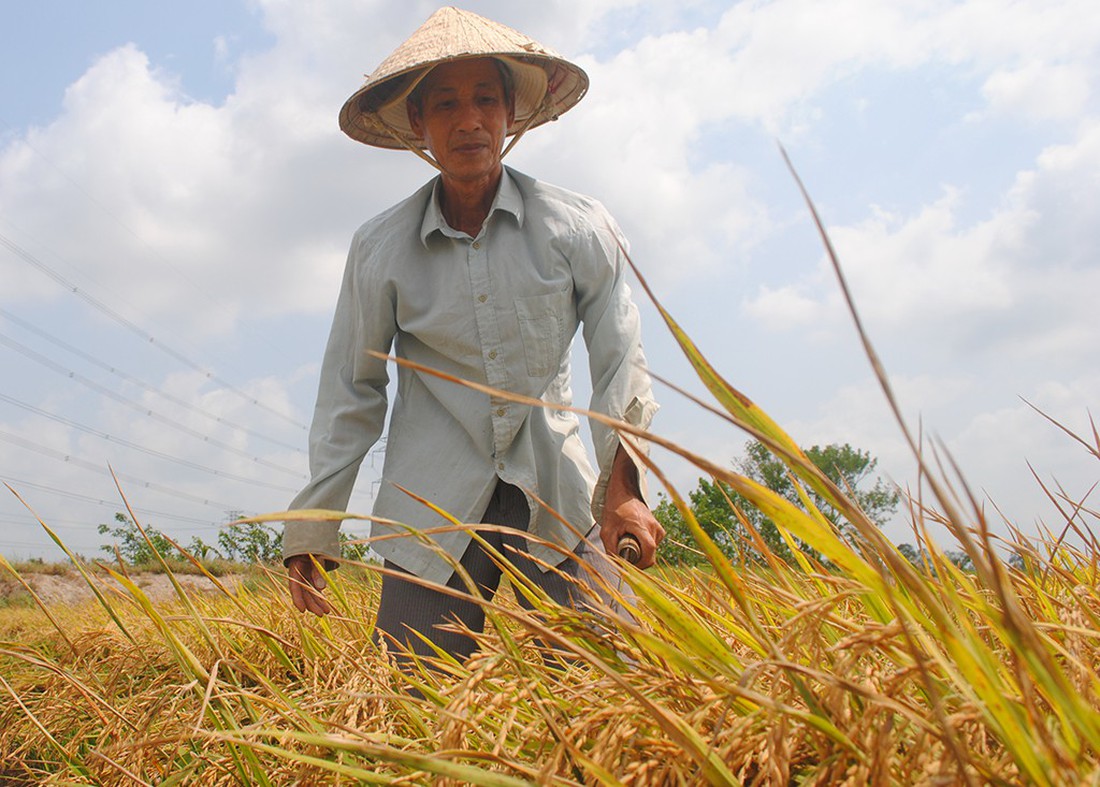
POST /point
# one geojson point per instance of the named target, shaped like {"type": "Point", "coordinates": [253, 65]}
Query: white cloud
{"type": "Point", "coordinates": [902, 270]}
{"type": "Point", "coordinates": [1019, 452]}
{"type": "Point", "coordinates": [202, 215]}
{"type": "Point", "coordinates": [1020, 281]}
{"type": "Point", "coordinates": [952, 420]}
{"type": "Point", "coordinates": [249, 197]}
{"type": "Point", "coordinates": [182, 210]}
{"type": "Point", "coordinates": [924, 266]}
{"type": "Point", "coordinates": [784, 308]}
{"type": "Point", "coordinates": [1039, 91]}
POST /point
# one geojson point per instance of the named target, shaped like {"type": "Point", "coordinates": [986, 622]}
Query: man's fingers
{"type": "Point", "coordinates": [654, 535]}
{"type": "Point", "coordinates": [306, 583]}
{"type": "Point", "coordinates": [296, 595]}
{"type": "Point", "coordinates": [649, 533]}
{"type": "Point", "coordinates": [610, 538]}
{"type": "Point", "coordinates": [633, 518]}
{"type": "Point", "coordinates": [311, 600]}
{"type": "Point", "coordinates": [649, 547]}
{"type": "Point", "coordinates": [317, 604]}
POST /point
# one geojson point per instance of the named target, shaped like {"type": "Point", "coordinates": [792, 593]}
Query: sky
{"type": "Point", "coordinates": [176, 201]}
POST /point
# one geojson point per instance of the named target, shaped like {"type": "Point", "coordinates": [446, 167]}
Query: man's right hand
{"type": "Point", "coordinates": [306, 584]}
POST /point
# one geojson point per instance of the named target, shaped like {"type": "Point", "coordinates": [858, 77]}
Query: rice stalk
{"type": "Point", "coordinates": [849, 665]}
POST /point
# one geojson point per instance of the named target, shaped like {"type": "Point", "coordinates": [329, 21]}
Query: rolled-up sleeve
{"type": "Point", "coordinates": [351, 404]}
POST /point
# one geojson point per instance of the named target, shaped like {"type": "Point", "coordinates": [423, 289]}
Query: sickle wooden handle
{"type": "Point", "coordinates": [630, 549]}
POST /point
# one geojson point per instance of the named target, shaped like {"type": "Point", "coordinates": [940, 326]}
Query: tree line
{"type": "Point", "coordinates": [725, 516]}
{"type": "Point", "coordinates": [728, 518]}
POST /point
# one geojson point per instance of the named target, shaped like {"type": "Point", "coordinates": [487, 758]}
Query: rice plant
{"type": "Point", "coordinates": [849, 665]}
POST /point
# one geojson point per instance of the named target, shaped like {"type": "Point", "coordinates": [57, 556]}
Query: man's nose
{"type": "Point", "coordinates": [469, 118]}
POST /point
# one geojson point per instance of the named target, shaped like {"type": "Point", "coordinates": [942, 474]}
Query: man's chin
{"type": "Point", "coordinates": [470, 172]}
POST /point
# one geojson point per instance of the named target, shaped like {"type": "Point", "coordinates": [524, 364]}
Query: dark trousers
{"type": "Point", "coordinates": [406, 607]}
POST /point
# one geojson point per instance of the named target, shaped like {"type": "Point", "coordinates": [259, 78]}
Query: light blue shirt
{"type": "Point", "coordinates": [500, 309]}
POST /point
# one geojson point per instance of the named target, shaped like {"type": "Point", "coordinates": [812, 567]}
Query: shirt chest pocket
{"type": "Point", "coordinates": [542, 321]}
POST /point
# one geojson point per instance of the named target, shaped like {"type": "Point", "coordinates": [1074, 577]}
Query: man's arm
{"type": "Point", "coordinates": [626, 512]}
{"type": "Point", "coordinates": [349, 417]}
{"type": "Point", "coordinates": [621, 386]}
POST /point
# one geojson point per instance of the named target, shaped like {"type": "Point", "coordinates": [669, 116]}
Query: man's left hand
{"type": "Point", "coordinates": [625, 512]}
{"type": "Point", "coordinates": [634, 517]}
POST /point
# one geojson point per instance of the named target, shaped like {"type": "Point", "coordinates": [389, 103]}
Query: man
{"type": "Point", "coordinates": [484, 274]}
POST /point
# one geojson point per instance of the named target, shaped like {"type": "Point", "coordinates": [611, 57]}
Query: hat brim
{"type": "Point", "coordinates": [545, 88]}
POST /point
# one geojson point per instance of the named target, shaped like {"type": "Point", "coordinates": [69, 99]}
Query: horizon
{"type": "Point", "coordinates": [176, 202]}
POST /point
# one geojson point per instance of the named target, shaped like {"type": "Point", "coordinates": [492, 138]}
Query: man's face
{"type": "Point", "coordinates": [463, 117]}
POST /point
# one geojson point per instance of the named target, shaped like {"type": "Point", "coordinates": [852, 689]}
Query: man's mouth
{"type": "Point", "coordinates": [469, 147]}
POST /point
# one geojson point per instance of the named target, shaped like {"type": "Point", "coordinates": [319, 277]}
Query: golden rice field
{"type": "Point", "coordinates": [860, 669]}
{"type": "Point", "coordinates": [877, 674]}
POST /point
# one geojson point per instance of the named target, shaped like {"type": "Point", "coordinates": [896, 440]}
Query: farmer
{"type": "Point", "coordinates": [483, 274]}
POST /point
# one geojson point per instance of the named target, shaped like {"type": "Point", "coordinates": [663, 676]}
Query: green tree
{"type": "Point", "coordinates": [912, 554]}
{"type": "Point", "coordinates": [352, 547]}
{"type": "Point", "coordinates": [202, 550]}
{"type": "Point", "coordinates": [250, 542]}
{"type": "Point", "coordinates": [133, 547]}
{"type": "Point", "coordinates": [255, 542]}
{"type": "Point", "coordinates": [724, 515]}
{"type": "Point", "coordinates": [960, 559]}
{"type": "Point", "coordinates": [710, 505]}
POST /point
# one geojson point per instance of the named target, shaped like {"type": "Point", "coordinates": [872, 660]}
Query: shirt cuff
{"type": "Point", "coordinates": [639, 413]}
{"type": "Point", "coordinates": [312, 538]}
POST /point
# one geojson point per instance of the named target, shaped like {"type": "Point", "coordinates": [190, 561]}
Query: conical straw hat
{"type": "Point", "coordinates": [546, 85]}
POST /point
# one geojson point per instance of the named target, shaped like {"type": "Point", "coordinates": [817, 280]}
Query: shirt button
{"type": "Point", "coordinates": [477, 244]}
{"type": "Point", "coordinates": [500, 465]}
{"type": "Point", "coordinates": [501, 411]}
{"type": "Point", "coordinates": [492, 355]}
{"type": "Point", "coordinates": [483, 297]}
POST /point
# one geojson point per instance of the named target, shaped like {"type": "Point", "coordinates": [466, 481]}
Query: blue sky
{"type": "Point", "coordinates": [176, 201]}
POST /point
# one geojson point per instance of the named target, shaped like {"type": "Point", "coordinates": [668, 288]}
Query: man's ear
{"type": "Point", "coordinates": [413, 112]}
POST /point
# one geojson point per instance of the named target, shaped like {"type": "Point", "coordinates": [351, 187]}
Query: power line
{"type": "Point", "coordinates": [20, 544]}
{"type": "Point", "coordinates": [137, 330]}
{"type": "Point", "coordinates": [18, 483]}
{"type": "Point", "coordinates": [170, 422]}
{"type": "Point", "coordinates": [25, 141]}
{"type": "Point", "coordinates": [95, 468]}
{"type": "Point", "coordinates": [141, 384]}
{"type": "Point", "coordinates": [114, 217]}
{"type": "Point", "coordinates": [134, 446]}
{"type": "Point", "coordinates": [55, 524]}
{"type": "Point", "coordinates": [42, 267]}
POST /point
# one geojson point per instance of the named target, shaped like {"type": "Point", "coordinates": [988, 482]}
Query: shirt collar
{"type": "Point", "coordinates": [508, 199]}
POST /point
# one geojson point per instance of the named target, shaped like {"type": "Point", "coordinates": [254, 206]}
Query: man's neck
{"type": "Point", "coordinates": [465, 204]}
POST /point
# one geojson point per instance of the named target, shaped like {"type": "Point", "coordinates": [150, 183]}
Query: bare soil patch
{"type": "Point", "coordinates": [71, 588]}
